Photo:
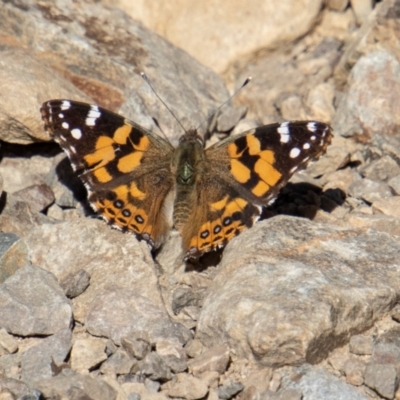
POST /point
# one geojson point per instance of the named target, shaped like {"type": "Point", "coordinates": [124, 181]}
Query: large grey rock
{"type": "Point", "coordinates": [373, 95]}
{"type": "Point", "coordinates": [32, 303]}
{"type": "Point", "coordinates": [316, 383]}
{"type": "Point", "coordinates": [288, 290]}
{"type": "Point", "coordinates": [73, 386]}
{"type": "Point", "coordinates": [56, 49]}
{"type": "Point", "coordinates": [39, 361]}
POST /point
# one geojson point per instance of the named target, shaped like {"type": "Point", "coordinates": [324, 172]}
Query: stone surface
{"type": "Point", "coordinates": [138, 391]}
{"type": "Point", "coordinates": [228, 35]}
{"type": "Point", "coordinates": [155, 367]}
{"type": "Point", "coordinates": [39, 197]}
{"type": "Point", "coordinates": [87, 354]}
{"type": "Point", "coordinates": [17, 388]}
{"type": "Point", "coordinates": [32, 303]}
{"type": "Point", "coordinates": [382, 378]}
{"type": "Point", "coordinates": [315, 383]}
{"type": "Point", "coordinates": [75, 284]}
{"type": "Point", "coordinates": [136, 347]}
{"type": "Point", "coordinates": [361, 345]}
{"type": "Point", "coordinates": [369, 106]}
{"type": "Point", "coordinates": [354, 371]}
{"type": "Point", "coordinates": [382, 169]}
{"type": "Point", "coordinates": [13, 255]}
{"type": "Point", "coordinates": [41, 360]}
{"type": "Point", "coordinates": [187, 387]}
{"type": "Point", "coordinates": [369, 190]}
{"type": "Point", "coordinates": [118, 314]}
{"type": "Point", "coordinates": [118, 363]}
{"type": "Point", "coordinates": [71, 385]}
{"type": "Point", "coordinates": [7, 342]}
{"type": "Point", "coordinates": [389, 206]}
{"type": "Point", "coordinates": [300, 269]}
{"type": "Point", "coordinates": [214, 359]}
{"type": "Point", "coordinates": [57, 66]}
{"type": "Point", "coordinates": [226, 392]}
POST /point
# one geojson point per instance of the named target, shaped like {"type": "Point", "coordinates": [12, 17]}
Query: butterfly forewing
{"type": "Point", "coordinates": [260, 161]}
{"type": "Point", "coordinates": [125, 168]}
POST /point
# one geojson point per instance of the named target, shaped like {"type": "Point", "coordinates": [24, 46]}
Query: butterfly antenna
{"type": "Point", "coordinates": [248, 79]}
{"type": "Point", "coordinates": [146, 79]}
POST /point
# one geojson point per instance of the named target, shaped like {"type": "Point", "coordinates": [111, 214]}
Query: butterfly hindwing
{"type": "Point", "coordinates": [125, 168]}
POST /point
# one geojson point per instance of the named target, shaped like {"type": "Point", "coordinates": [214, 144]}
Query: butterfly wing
{"type": "Point", "coordinates": [125, 168]}
{"type": "Point", "coordinates": [245, 172]}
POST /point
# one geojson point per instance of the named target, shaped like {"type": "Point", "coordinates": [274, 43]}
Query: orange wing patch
{"type": "Point", "coordinates": [251, 165]}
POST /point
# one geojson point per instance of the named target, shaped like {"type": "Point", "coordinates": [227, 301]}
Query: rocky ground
{"type": "Point", "coordinates": [304, 305]}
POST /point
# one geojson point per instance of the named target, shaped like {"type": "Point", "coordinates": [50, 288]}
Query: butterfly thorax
{"type": "Point", "coordinates": [187, 166]}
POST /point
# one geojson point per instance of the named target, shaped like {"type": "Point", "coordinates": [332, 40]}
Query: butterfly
{"type": "Point", "coordinates": [138, 182]}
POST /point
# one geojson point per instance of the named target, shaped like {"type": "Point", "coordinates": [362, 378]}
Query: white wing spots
{"type": "Point", "coordinates": [76, 133]}
{"type": "Point", "coordinates": [73, 150]}
{"type": "Point", "coordinates": [65, 125]}
{"type": "Point", "coordinates": [293, 170]}
{"type": "Point", "coordinates": [294, 152]}
{"type": "Point", "coordinates": [312, 126]}
{"type": "Point", "coordinates": [306, 146]}
{"type": "Point", "coordinates": [65, 105]}
{"type": "Point", "coordinates": [93, 114]}
{"type": "Point", "coordinates": [61, 115]}
{"type": "Point", "coordinates": [283, 130]}
{"type": "Point", "coordinates": [313, 137]}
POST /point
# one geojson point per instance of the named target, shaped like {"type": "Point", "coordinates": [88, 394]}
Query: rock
{"type": "Point", "coordinates": [75, 284]}
{"type": "Point", "coordinates": [275, 382]}
{"type": "Point", "coordinates": [396, 313]}
{"type": "Point", "coordinates": [87, 354]}
{"type": "Point", "coordinates": [227, 35]}
{"type": "Point", "coordinates": [71, 385]}
{"type": "Point", "coordinates": [187, 387]}
{"type": "Point", "coordinates": [137, 348]}
{"type": "Point", "coordinates": [32, 303]}
{"type": "Point", "coordinates": [361, 345]}
{"type": "Point", "coordinates": [338, 5]}
{"type": "Point", "coordinates": [152, 386]}
{"type": "Point", "coordinates": [286, 394]}
{"type": "Point", "coordinates": [7, 342]}
{"type": "Point", "coordinates": [229, 118]}
{"type": "Point", "coordinates": [10, 365]}
{"type": "Point", "coordinates": [297, 261]}
{"type": "Point", "coordinates": [226, 392]}
{"type": "Point", "coordinates": [382, 169]}
{"type": "Point", "coordinates": [379, 222]}
{"type": "Point", "coordinates": [120, 314]}
{"type": "Point", "coordinates": [138, 391]}
{"type": "Point", "coordinates": [40, 361]}
{"type": "Point", "coordinates": [214, 359]}
{"type": "Point", "coordinates": [315, 383]}
{"type": "Point", "coordinates": [118, 364]}
{"type": "Point", "coordinates": [394, 184]}
{"type": "Point", "coordinates": [382, 378]}
{"type": "Point", "coordinates": [17, 389]}
{"type": "Point", "coordinates": [320, 101]}
{"type": "Point", "coordinates": [374, 89]}
{"type": "Point", "coordinates": [362, 9]}
{"type": "Point", "coordinates": [110, 84]}
{"type": "Point", "coordinates": [39, 197]}
{"type": "Point", "coordinates": [354, 371]}
{"type": "Point", "coordinates": [155, 367]}
{"type": "Point", "coordinates": [13, 255]}
{"type": "Point", "coordinates": [194, 348]}
{"type": "Point", "coordinates": [175, 364]}
{"type": "Point", "coordinates": [17, 217]}
{"type": "Point", "coordinates": [369, 191]}
{"type": "Point", "coordinates": [389, 206]}
{"type": "Point", "coordinates": [183, 297]}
